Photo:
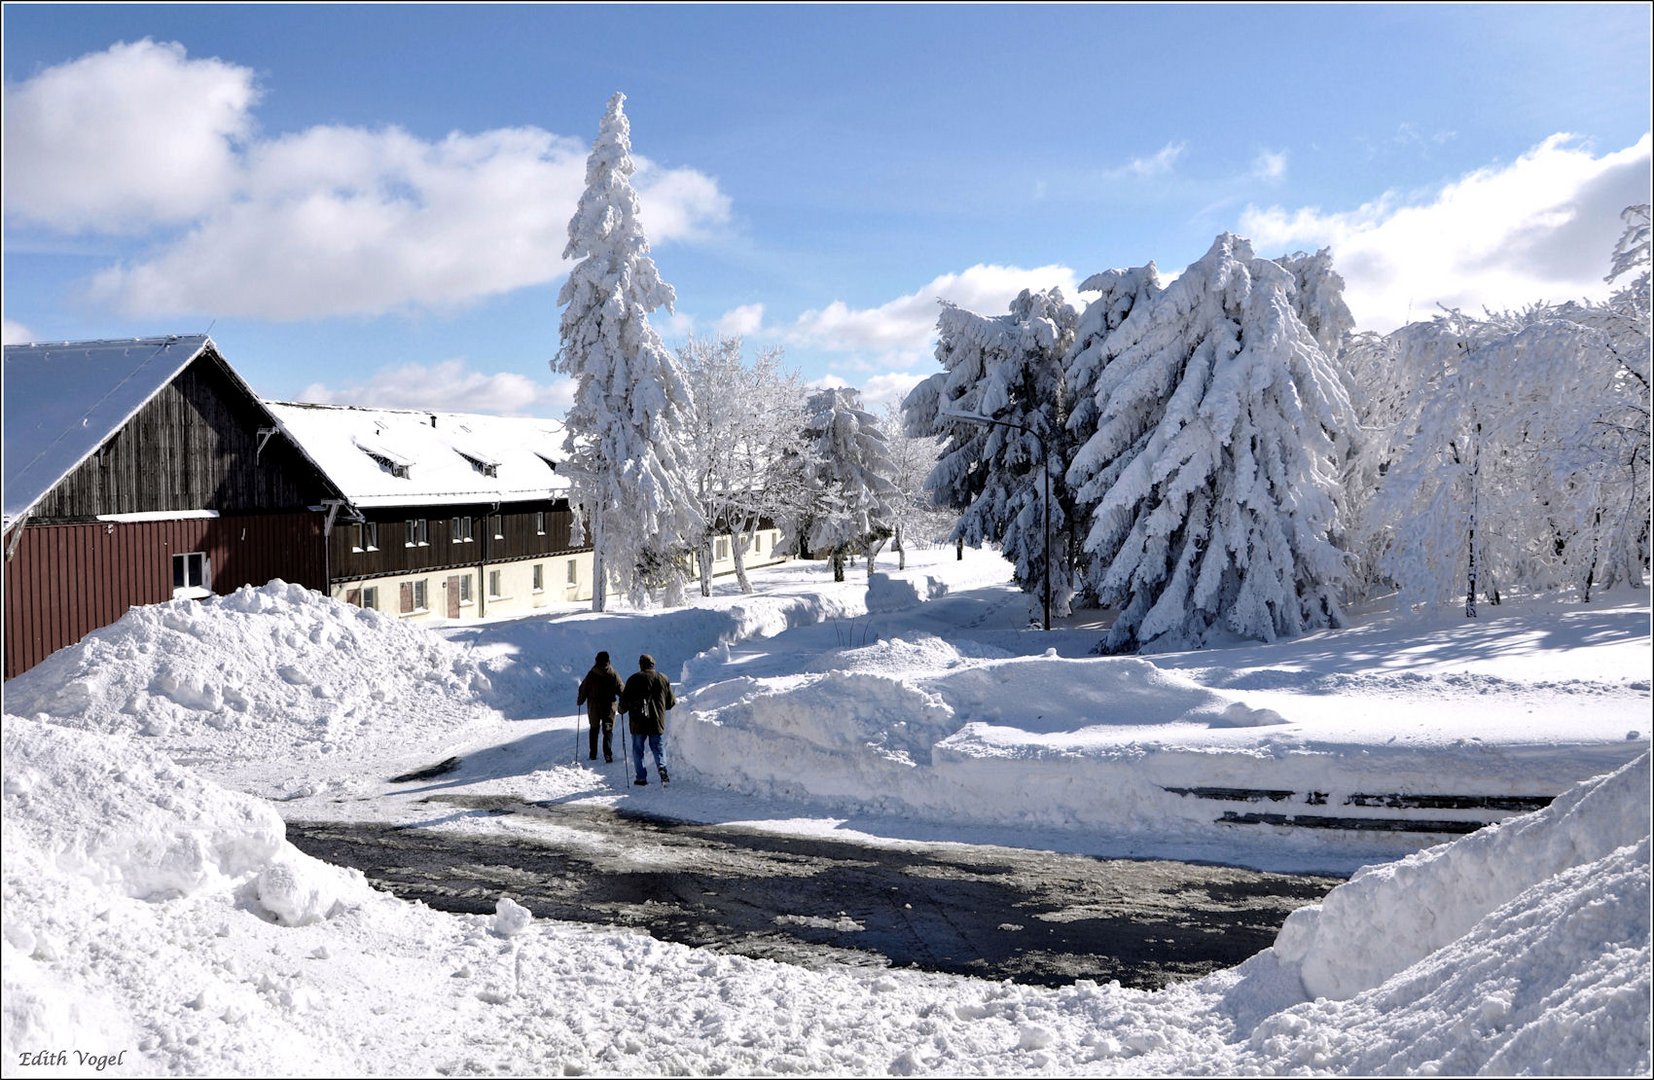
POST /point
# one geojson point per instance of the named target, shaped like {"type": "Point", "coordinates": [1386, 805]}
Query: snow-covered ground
{"type": "Point", "coordinates": [154, 911]}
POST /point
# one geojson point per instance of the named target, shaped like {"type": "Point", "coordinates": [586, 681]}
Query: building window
{"type": "Point", "coordinates": [494, 585]}
{"type": "Point", "coordinates": [414, 596]}
{"type": "Point", "coordinates": [539, 522]}
{"type": "Point", "coordinates": [367, 536]}
{"type": "Point", "coordinates": [465, 589]}
{"type": "Point", "coordinates": [190, 575]}
{"type": "Point", "coordinates": [461, 529]}
{"type": "Point", "coordinates": [574, 572]}
{"type": "Point", "coordinates": [720, 548]}
{"type": "Point", "coordinates": [539, 577]}
{"type": "Point", "coordinates": [418, 533]}
{"type": "Point", "coordinates": [370, 598]}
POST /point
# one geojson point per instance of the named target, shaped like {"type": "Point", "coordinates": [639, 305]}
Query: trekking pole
{"type": "Point", "coordinates": [626, 745]}
{"type": "Point", "coordinates": [577, 736]}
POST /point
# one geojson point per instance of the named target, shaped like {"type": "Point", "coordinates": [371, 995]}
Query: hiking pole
{"type": "Point", "coordinates": [626, 745]}
{"type": "Point", "coordinates": [577, 736]}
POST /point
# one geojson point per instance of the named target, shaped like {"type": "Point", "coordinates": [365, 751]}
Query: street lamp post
{"type": "Point", "coordinates": [1045, 455]}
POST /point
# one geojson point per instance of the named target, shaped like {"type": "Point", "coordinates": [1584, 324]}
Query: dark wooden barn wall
{"type": "Point", "coordinates": [519, 540]}
{"type": "Point", "coordinates": [193, 446]}
{"type": "Point", "coordinates": [64, 581]}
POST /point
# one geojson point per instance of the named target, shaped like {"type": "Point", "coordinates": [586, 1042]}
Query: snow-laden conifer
{"type": "Point", "coordinates": [853, 492]}
{"type": "Point", "coordinates": [1023, 390]}
{"type": "Point", "coordinates": [631, 402]}
{"type": "Point", "coordinates": [1220, 426]}
{"type": "Point", "coordinates": [1118, 293]}
{"type": "Point", "coordinates": [1318, 298]}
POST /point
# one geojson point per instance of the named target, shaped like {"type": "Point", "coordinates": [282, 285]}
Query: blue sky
{"type": "Point", "coordinates": [368, 204]}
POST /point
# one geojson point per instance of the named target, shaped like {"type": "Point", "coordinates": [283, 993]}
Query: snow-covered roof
{"type": "Point", "coordinates": [62, 400]}
{"type": "Point", "coordinates": [405, 457]}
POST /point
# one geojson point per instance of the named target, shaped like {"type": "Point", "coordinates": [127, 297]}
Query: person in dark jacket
{"type": "Point", "coordinates": [600, 693]}
{"type": "Point", "coordinates": [646, 698]}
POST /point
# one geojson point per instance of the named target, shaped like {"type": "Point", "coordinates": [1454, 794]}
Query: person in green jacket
{"type": "Point", "coordinates": [645, 700]}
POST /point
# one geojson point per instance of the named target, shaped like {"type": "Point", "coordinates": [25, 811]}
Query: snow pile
{"type": "Point", "coordinates": [1555, 982]}
{"type": "Point", "coordinates": [265, 674]}
{"type": "Point", "coordinates": [1388, 917]}
{"type": "Point", "coordinates": [962, 731]}
{"type": "Point", "coordinates": [888, 593]}
{"type": "Point", "coordinates": [100, 832]}
{"type": "Point", "coordinates": [115, 815]}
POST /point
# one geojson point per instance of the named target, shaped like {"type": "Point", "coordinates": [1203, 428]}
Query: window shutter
{"type": "Point", "coordinates": [407, 597]}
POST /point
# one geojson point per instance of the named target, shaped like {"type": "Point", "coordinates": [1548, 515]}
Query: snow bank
{"type": "Point", "coordinates": [960, 731]}
{"type": "Point", "coordinates": [101, 830]}
{"type": "Point", "coordinates": [886, 592]}
{"type": "Point", "coordinates": [1553, 983]}
{"type": "Point", "coordinates": [113, 814]}
{"type": "Point", "coordinates": [1389, 917]}
{"type": "Point", "coordinates": [275, 673]}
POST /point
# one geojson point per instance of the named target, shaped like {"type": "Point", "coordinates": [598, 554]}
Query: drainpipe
{"type": "Point", "coordinates": [327, 544]}
{"type": "Point", "coordinates": [482, 565]}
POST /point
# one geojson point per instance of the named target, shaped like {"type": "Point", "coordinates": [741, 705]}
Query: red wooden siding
{"type": "Point", "coordinates": [64, 581]}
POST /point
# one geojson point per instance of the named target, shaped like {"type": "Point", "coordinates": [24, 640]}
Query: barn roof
{"type": "Point", "coordinates": [383, 458]}
{"type": "Point", "coordinates": [62, 400]}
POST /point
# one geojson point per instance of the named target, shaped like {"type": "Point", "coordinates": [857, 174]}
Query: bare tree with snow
{"type": "Point", "coordinates": [632, 405]}
{"type": "Point", "coordinates": [1520, 454]}
{"type": "Point", "coordinates": [745, 423]}
{"type": "Point", "coordinates": [914, 514]}
{"type": "Point", "coordinates": [1221, 422]}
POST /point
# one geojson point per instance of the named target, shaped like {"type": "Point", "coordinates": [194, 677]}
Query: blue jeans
{"type": "Point", "coordinates": [657, 746]}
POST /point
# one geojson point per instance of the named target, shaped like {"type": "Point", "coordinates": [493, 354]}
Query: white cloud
{"type": "Point", "coordinates": [125, 139]}
{"type": "Point", "coordinates": [743, 321]}
{"type": "Point", "coordinates": [323, 222]}
{"type": "Point", "coordinates": [1156, 164]}
{"type": "Point", "coordinates": [1269, 165]}
{"type": "Point", "coordinates": [888, 388]}
{"type": "Point", "coordinates": [450, 386]}
{"type": "Point", "coordinates": [17, 334]}
{"type": "Point", "coordinates": [1539, 228]}
{"type": "Point", "coordinates": [901, 329]}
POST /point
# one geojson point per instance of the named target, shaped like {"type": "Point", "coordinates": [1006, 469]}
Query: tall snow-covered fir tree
{"type": "Point", "coordinates": [1008, 369]}
{"type": "Point", "coordinates": [1119, 293]}
{"type": "Point", "coordinates": [1221, 423]}
{"type": "Point", "coordinates": [852, 488]}
{"type": "Point", "coordinates": [632, 404]}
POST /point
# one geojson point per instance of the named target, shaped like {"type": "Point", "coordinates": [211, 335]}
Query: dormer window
{"type": "Point", "coordinates": [386, 458]}
{"type": "Point", "coordinates": [481, 462]}
{"type": "Point", "coordinates": [395, 468]}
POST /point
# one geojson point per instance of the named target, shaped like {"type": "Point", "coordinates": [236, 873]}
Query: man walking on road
{"type": "Point", "coordinates": [646, 698]}
{"type": "Point", "coordinates": [599, 691]}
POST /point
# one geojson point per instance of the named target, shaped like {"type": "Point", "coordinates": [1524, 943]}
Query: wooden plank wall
{"type": "Point", "coordinates": [519, 540]}
{"type": "Point", "coordinates": [195, 445]}
{"type": "Point", "coordinates": [64, 581]}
